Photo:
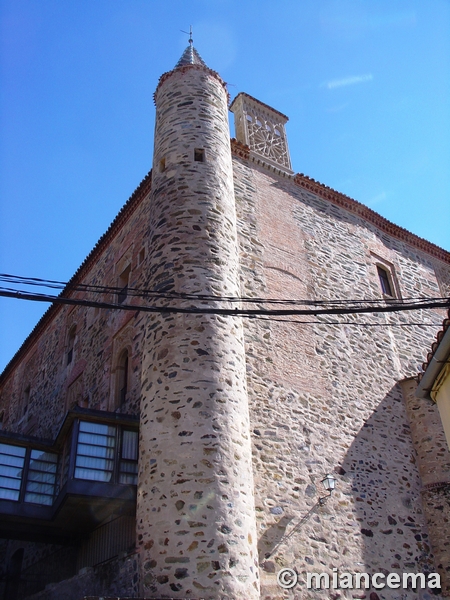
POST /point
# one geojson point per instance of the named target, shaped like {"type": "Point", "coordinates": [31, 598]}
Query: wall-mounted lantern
{"type": "Point", "coordinates": [329, 483]}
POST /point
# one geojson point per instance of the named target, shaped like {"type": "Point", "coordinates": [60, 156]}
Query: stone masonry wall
{"type": "Point", "coordinates": [89, 380]}
{"type": "Point", "coordinates": [323, 392]}
{"type": "Point", "coordinates": [433, 460]}
{"type": "Point", "coordinates": [324, 396]}
{"type": "Point", "coordinates": [101, 334]}
{"type": "Point", "coordinates": [195, 511]}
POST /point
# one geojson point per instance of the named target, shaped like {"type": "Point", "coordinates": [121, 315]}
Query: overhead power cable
{"type": "Point", "coordinates": [153, 295]}
{"type": "Point", "coordinates": [354, 323]}
{"type": "Point", "coordinates": [238, 312]}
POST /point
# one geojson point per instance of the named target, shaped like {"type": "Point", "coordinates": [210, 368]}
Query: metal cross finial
{"type": "Point", "coordinates": [191, 41]}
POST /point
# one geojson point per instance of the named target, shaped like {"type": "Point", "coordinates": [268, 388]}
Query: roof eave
{"type": "Point", "coordinates": [435, 366]}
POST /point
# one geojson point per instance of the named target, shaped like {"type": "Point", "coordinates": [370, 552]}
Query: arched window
{"type": "Point", "coordinates": [122, 378]}
{"type": "Point", "coordinates": [71, 344]}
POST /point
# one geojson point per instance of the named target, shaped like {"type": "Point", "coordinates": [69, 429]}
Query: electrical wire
{"type": "Point", "coordinates": [355, 323]}
{"type": "Point", "coordinates": [237, 312]}
{"type": "Point", "coordinates": [152, 294]}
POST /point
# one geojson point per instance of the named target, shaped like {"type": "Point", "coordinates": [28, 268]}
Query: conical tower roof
{"type": "Point", "coordinates": [190, 57]}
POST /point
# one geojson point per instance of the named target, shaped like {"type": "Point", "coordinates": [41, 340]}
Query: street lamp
{"type": "Point", "coordinates": [329, 483]}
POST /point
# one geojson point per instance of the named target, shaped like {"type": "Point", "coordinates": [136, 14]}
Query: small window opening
{"type": "Point", "coordinates": [385, 283]}
{"type": "Point", "coordinates": [26, 400]}
{"type": "Point", "coordinates": [258, 122]}
{"type": "Point", "coordinates": [199, 155]}
{"type": "Point", "coordinates": [248, 117]}
{"type": "Point", "coordinates": [141, 256]}
{"type": "Point", "coordinates": [123, 285]}
{"type": "Point", "coordinates": [122, 379]}
{"type": "Point", "coordinates": [70, 344]}
{"type": "Point", "coordinates": [162, 165]}
{"type": "Point", "coordinates": [268, 127]}
{"type": "Point", "coordinates": [277, 132]}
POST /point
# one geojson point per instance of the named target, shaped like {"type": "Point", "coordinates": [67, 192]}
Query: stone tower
{"type": "Point", "coordinates": [195, 507]}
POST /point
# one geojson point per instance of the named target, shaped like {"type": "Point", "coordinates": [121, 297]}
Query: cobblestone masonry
{"type": "Point", "coordinates": [42, 364]}
{"type": "Point", "coordinates": [195, 513]}
{"type": "Point", "coordinates": [240, 419]}
{"type": "Point", "coordinates": [433, 460]}
{"type": "Point", "coordinates": [324, 397]}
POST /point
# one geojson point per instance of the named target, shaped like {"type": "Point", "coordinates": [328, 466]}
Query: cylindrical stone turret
{"type": "Point", "coordinates": [195, 510]}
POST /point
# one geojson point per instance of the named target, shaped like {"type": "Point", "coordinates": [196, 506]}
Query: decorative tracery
{"type": "Point", "coordinates": [262, 129]}
{"type": "Point", "coordinates": [266, 138]}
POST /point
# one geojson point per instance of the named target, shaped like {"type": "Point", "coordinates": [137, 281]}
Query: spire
{"type": "Point", "coordinates": [190, 56]}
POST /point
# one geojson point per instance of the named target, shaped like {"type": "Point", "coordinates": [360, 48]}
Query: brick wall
{"type": "Point", "coordinates": [324, 397]}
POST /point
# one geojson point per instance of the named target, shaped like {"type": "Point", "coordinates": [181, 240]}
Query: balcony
{"type": "Point", "coordinates": [60, 491]}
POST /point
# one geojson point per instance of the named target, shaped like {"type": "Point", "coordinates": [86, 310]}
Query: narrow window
{"type": "Point", "coordinates": [199, 154]}
{"type": "Point", "coordinates": [26, 399]}
{"type": "Point", "coordinates": [122, 379]}
{"type": "Point", "coordinates": [71, 344]}
{"type": "Point", "coordinates": [123, 285]}
{"type": "Point", "coordinates": [141, 256]}
{"type": "Point", "coordinates": [385, 283]}
{"type": "Point", "coordinates": [162, 165]}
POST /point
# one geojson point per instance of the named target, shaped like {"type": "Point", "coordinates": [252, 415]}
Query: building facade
{"type": "Point", "coordinates": [167, 424]}
{"type": "Point", "coordinates": [434, 382]}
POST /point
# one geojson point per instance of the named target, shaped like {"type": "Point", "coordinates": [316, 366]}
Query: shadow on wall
{"type": "Point", "coordinates": [385, 510]}
{"type": "Point", "coordinates": [273, 537]}
{"type": "Point", "coordinates": [381, 471]}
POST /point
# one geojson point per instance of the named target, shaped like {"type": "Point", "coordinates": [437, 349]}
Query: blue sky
{"type": "Point", "coordinates": [365, 83]}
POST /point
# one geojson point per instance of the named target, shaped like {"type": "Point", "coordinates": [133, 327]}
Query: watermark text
{"type": "Point", "coordinates": [289, 578]}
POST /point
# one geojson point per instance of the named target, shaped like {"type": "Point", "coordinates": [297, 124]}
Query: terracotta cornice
{"type": "Point", "coordinates": [186, 68]}
{"type": "Point", "coordinates": [371, 216]}
{"type": "Point", "coordinates": [122, 217]}
{"type": "Point", "coordinates": [355, 207]}
{"type": "Point", "coordinates": [240, 149]}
